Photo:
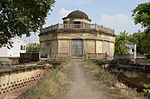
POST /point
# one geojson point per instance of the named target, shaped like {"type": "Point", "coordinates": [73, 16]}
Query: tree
{"type": "Point", "coordinates": [33, 48]}
{"type": "Point", "coordinates": [141, 15]}
{"type": "Point", "coordinates": [138, 39]}
{"type": "Point", "coordinates": [146, 44]}
{"type": "Point", "coordinates": [19, 17]}
{"type": "Point", "coordinates": [121, 40]}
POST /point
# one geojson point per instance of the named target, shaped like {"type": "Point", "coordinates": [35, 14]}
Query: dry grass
{"type": "Point", "coordinates": [109, 80]}
{"type": "Point", "coordinates": [51, 86]}
{"type": "Point", "coordinates": [54, 83]}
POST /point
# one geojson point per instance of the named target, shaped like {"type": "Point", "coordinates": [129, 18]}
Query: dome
{"type": "Point", "coordinates": [77, 14]}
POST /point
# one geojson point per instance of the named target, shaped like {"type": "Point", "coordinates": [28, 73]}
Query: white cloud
{"type": "Point", "coordinates": [33, 38]}
{"type": "Point", "coordinates": [119, 22]}
{"type": "Point", "coordinates": [63, 12]}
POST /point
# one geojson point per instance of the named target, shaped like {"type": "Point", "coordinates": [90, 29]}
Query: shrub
{"type": "Point", "coordinates": [108, 78]}
{"type": "Point", "coordinates": [147, 90]}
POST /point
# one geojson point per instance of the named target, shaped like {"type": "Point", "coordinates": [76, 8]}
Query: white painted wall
{"type": "Point", "coordinates": [15, 50]}
{"type": "Point", "coordinates": [131, 48]}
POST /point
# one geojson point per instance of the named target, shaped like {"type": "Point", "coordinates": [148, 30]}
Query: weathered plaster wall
{"type": "Point", "coordinates": [93, 42]}
{"type": "Point", "coordinates": [112, 49]}
{"type": "Point", "coordinates": [64, 46]}
{"type": "Point", "coordinates": [70, 21]}
{"type": "Point", "coordinates": [98, 46]}
{"type": "Point", "coordinates": [43, 37]}
{"type": "Point", "coordinates": [105, 37]}
{"type": "Point", "coordinates": [82, 20]}
{"type": "Point", "coordinates": [13, 81]}
{"type": "Point", "coordinates": [106, 47]}
{"type": "Point", "coordinates": [54, 47]}
{"type": "Point", "coordinates": [42, 49]}
{"type": "Point", "coordinates": [89, 46]}
{"type": "Point", "coordinates": [47, 37]}
{"type": "Point", "coordinates": [76, 35]}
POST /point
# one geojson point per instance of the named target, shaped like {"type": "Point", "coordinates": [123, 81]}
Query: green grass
{"type": "Point", "coordinates": [147, 90]}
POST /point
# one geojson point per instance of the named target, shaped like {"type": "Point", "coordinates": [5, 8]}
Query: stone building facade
{"type": "Point", "coordinates": [77, 36]}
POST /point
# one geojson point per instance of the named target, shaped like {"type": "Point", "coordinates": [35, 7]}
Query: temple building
{"type": "Point", "coordinates": [77, 36]}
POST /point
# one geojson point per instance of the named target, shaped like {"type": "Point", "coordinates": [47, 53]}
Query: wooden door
{"type": "Point", "coordinates": [77, 48]}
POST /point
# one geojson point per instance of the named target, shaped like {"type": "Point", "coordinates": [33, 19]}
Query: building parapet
{"type": "Point", "coordinates": [78, 27]}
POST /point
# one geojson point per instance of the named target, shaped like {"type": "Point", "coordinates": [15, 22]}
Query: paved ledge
{"type": "Point", "coordinates": [13, 68]}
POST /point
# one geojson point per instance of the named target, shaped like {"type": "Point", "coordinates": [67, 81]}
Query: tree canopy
{"type": "Point", "coordinates": [141, 39]}
{"type": "Point", "coordinates": [138, 39]}
{"type": "Point", "coordinates": [141, 15]}
{"type": "Point", "coordinates": [121, 40]}
{"type": "Point", "coordinates": [19, 17]}
{"type": "Point", "coordinates": [146, 44]}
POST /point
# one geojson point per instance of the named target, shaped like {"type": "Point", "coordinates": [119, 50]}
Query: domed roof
{"type": "Point", "coordinates": [77, 14]}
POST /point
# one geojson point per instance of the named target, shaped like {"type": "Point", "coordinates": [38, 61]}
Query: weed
{"type": "Point", "coordinates": [147, 90]}
{"type": "Point", "coordinates": [109, 80]}
{"type": "Point", "coordinates": [43, 89]}
{"type": "Point", "coordinates": [51, 86]}
{"type": "Point", "coordinates": [90, 65]}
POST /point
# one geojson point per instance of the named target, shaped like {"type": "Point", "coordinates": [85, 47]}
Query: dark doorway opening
{"type": "Point", "coordinates": [77, 24]}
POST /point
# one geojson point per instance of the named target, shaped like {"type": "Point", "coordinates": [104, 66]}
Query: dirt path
{"type": "Point", "coordinates": [83, 86]}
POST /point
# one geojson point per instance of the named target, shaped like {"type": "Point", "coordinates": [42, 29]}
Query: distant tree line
{"type": "Point", "coordinates": [33, 48]}
{"type": "Point", "coordinates": [136, 38]}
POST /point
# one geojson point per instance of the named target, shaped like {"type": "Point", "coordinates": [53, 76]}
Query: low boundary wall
{"type": "Point", "coordinates": [13, 79]}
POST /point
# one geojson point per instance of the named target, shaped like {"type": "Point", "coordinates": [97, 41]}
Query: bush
{"type": "Point", "coordinates": [147, 90]}
{"type": "Point", "coordinates": [108, 78]}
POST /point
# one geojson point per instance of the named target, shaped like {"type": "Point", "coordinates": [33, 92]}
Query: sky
{"type": "Point", "coordinates": [116, 14]}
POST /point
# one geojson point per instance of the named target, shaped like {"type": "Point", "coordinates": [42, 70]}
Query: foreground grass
{"type": "Point", "coordinates": [54, 83]}
{"type": "Point", "coordinates": [110, 81]}
{"type": "Point", "coordinates": [50, 87]}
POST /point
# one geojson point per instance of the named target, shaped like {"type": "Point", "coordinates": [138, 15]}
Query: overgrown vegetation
{"type": "Point", "coordinates": [108, 78]}
{"type": "Point", "coordinates": [121, 40]}
{"type": "Point", "coordinates": [141, 39]}
{"type": "Point", "coordinates": [110, 81]}
{"type": "Point", "coordinates": [147, 90]}
{"type": "Point", "coordinates": [33, 48]}
{"type": "Point", "coordinates": [54, 83]}
{"type": "Point", "coordinates": [49, 87]}
{"type": "Point", "coordinates": [100, 72]}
